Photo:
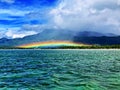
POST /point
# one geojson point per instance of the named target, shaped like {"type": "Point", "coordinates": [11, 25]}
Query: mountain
{"type": "Point", "coordinates": [87, 37]}
{"type": "Point", "coordinates": [103, 40]}
{"type": "Point", "coordinates": [46, 35]}
{"type": "Point", "coordinates": [89, 34]}
{"type": "Point", "coordinates": [93, 34]}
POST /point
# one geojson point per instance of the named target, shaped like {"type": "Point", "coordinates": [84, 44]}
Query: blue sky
{"type": "Point", "coordinates": [19, 18]}
{"type": "Point", "coordinates": [16, 14]}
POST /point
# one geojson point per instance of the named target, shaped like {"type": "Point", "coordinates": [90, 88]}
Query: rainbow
{"type": "Point", "coordinates": [51, 44]}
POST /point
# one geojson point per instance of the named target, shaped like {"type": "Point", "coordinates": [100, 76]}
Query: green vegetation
{"type": "Point", "coordinates": [93, 47]}
{"type": "Point", "coordinates": [10, 47]}
{"type": "Point", "coordinates": [70, 47]}
{"type": "Point", "coordinates": [89, 47]}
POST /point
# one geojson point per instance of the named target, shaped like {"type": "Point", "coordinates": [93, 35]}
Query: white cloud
{"type": "Point", "coordinates": [37, 27]}
{"type": "Point", "coordinates": [13, 12]}
{"type": "Point", "coordinates": [118, 2]}
{"type": "Point", "coordinates": [8, 1]}
{"type": "Point", "coordinates": [2, 33]}
{"type": "Point", "coordinates": [16, 34]}
{"type": "Point", "coordinates": [95, 14]}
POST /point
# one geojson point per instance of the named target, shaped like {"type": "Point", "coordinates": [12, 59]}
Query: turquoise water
{"type": "Point", "coordinates": [59, 69]}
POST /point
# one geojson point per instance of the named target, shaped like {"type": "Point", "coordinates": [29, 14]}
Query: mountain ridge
{"type": "Point", "coordinates": [87, 37]}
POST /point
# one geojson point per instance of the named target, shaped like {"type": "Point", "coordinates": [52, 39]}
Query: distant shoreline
{"type": "Point", "coordinates": [65, 49]}
{"type": "Point", "coordinates": [68, 47]}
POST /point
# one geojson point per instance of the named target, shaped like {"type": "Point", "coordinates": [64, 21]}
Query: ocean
{"type": "Point", "coordinates": [59, 69]}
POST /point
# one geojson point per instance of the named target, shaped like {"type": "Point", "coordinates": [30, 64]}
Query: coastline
{"type": "Point", "coordinates": [64, 49]}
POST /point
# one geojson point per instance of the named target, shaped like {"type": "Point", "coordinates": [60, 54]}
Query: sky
{"type": "Point", "coordinates": [20, 18]}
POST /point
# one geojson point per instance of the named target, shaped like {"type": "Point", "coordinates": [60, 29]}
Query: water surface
{"type": "Point", "coordinates": [59, 69]}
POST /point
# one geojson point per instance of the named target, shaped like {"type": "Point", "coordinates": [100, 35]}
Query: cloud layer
{"type": "Point", "coordinates": [95, 15]}
{"type": "Point", "coordinates": [37, 15]}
